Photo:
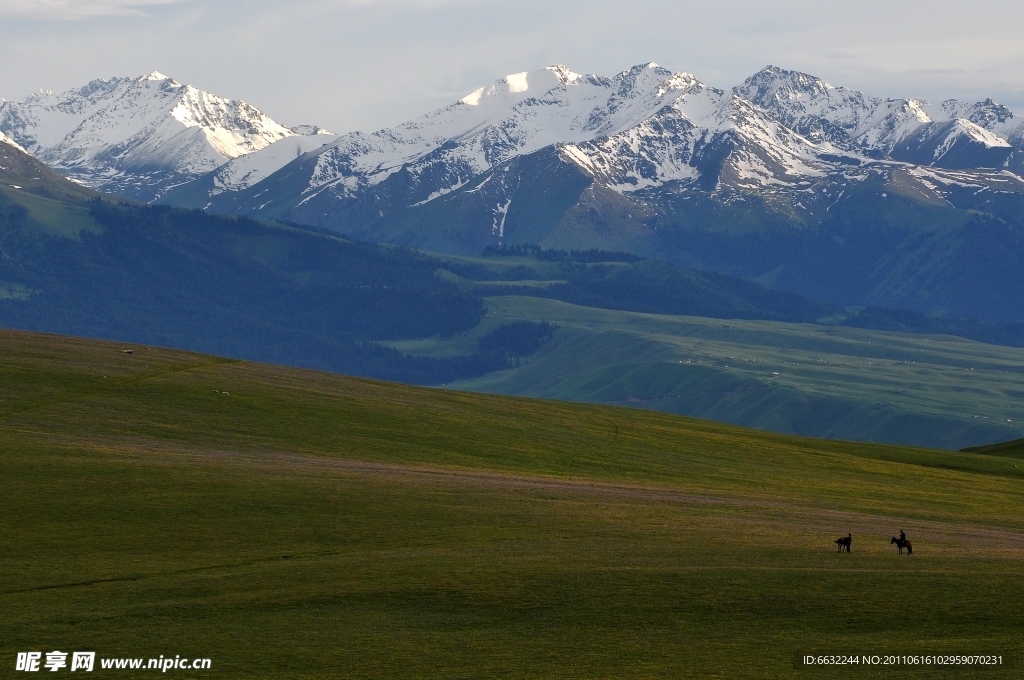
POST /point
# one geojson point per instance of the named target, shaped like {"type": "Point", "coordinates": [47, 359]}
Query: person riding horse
{"type": "Point", "coordinates": [902, 543]}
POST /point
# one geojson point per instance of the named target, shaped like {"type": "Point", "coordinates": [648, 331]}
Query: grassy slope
{"type": "Point", "coordinates": [311, 525]}
{"type": "Point", "coordinates": [54, 204]}
{"type": "Point", "coordinates": [1013, 448]}
{"type": "Point", "coordinates": [833, 381]}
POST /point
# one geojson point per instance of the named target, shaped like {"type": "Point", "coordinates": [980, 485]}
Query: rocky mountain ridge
{"type": "Point", "coordinates": [646, 128]}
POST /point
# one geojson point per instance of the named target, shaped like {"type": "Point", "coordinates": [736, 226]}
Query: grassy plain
{"type": "Point", "coordinates": [288, 523]}
{"type": "Point", "coordinates": [826, 381]}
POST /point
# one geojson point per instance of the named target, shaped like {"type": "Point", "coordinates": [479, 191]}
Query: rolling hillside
{"type": "Point", "coordinates": [823, 381]}
{"type": "Point", "coordinates": [283, 522]}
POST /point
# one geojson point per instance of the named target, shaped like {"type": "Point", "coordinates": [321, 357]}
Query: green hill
{"type": "Point", "coordinates": [817, 380]}
{"type": "Point", "coordinates": [287, 523]}
{"type": "Point", "coordinates": [34, 195]}
{"type": "Point", "coordinates": [1013, 448]}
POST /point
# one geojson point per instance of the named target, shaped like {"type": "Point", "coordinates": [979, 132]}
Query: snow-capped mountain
{"type": "Point", "coordinates": [244, 171]}
{"type": "Point", "coordinates": [633, 133]}
{"type": "Point", "coordinates": [137, 136]}
{"type": "Point", "coordinates": [519, 114]}
{"type": "Point", "coordinates": [875, 126]}
{"type": "Point", "coordinates": [785, 178]}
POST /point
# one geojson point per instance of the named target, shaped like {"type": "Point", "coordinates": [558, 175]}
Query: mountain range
{"type": "Point", "coordinates": [647, 128]}
{"type": "Point", "coordinates": [785, 179]}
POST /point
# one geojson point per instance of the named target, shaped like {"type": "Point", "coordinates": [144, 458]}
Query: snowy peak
{"type": "Point", "coordinates": [872, 125]}
{"type": "Point", "coordinates": [776, 87]}
{"type": "Point", "coordinates": [968, 128]}
{"type": "Point", "coordinates": [516, 115]}
{"type": "Point", "coordinates": [955, 144]}
{"type": "Point", "coordinates": [640, 128]}
{"type": "Point", "coordinates": [517, 86]}
{"type": "Point", "coordinates": [564, 74]}
{"type": "Point", "coordinates": [641, 138]}
{"type": "Point", "coordinates": [244, 171]}
{"type": "Point", "coordinates": [823, 112]}
{"type": "Point", "coordinates": [132, 136]}
{"type": "Point", "coordinates": [987, 114]}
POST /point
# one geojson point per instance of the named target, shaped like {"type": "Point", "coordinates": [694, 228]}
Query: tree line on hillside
{"type": "Point", "coordinates": [655, 287]}
{"type": "Point", "coordinates": [554, 255]}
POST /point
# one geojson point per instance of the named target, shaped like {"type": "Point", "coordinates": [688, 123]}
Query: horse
{"type": "Point", "coordinates": [844, 542]}
{"type": "Point", "coordinates": [902, 543]}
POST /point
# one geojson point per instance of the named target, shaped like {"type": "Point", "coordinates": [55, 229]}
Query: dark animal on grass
{"type": "Point", "coordinates": [844, 542]}
{"type": "Point", "coordinates": [902, 543]}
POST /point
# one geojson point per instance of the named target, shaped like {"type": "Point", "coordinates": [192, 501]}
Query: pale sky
{"type": "Point", "coordinates": [367, 64]}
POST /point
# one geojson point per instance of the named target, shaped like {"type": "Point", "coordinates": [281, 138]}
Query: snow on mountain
{"type": "Point", "coordinates": [821, 111]}
{"type": "Point", "coordinates": [987, 115]}
{"type": "Point", "coordinates": [310, 130]}
{"type": "Point", "coordinates": [244, 171]}
{"type": "Point", "coordinates": [642, 127]}
{"type": "Point", "coordinates": [516, 115]}
{"type": "Point", "coordinates": [700, 130]}
{"type": "Point", "coordinates": [641, 130]}
{"type": "Point", "coordinates": [965, 128]}
{"type": "Point", "coordinates": [958, 143]}
{"type": "Point", "coordinates": [4, 139]}
{"type": "Point", "coordinates": [860, 123]}
{"type": "Point", "coordinates": [135, 136]}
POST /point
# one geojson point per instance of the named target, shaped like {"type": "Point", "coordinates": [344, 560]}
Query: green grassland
{"type": "Point", "coordinates": [827, 381]}
{"type": "Point", "coordinates": [289, 523]}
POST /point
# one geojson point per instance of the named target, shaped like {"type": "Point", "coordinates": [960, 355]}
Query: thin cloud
{"type": "Point", "coordinates": [73, 10]}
